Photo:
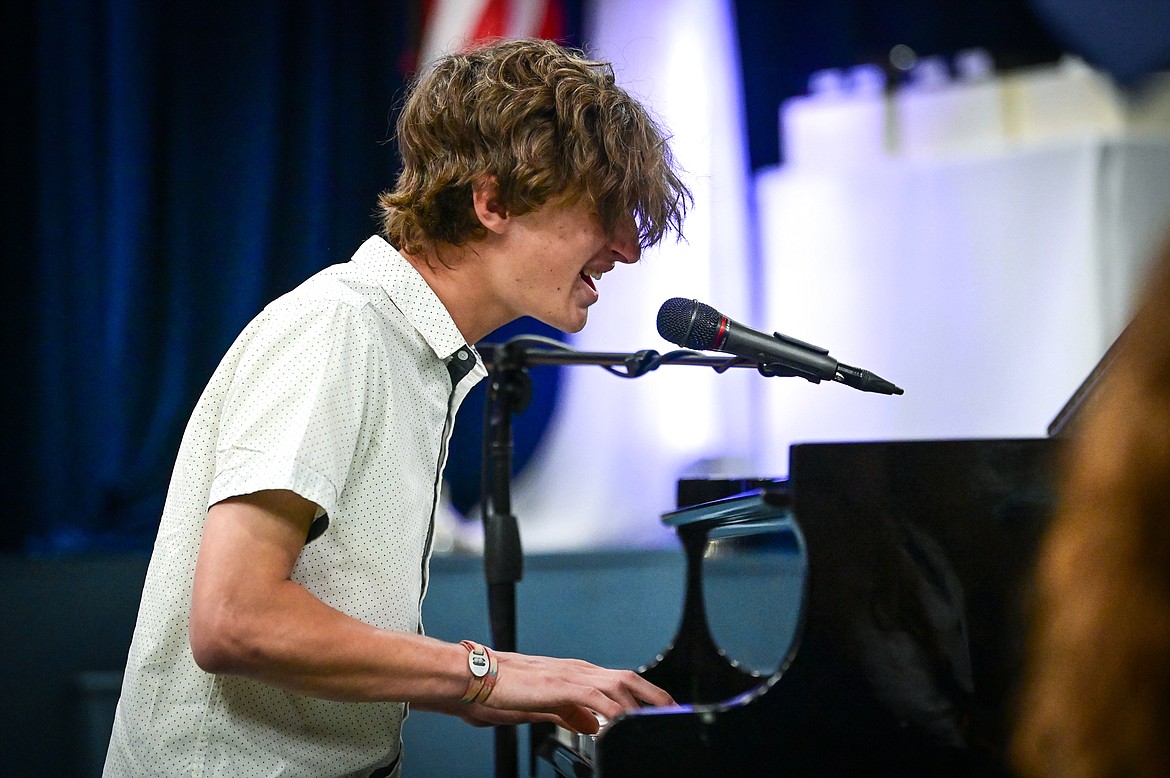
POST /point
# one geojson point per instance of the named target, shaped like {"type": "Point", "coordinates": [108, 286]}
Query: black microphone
{"type": "Point", "coordinates": [695, 325]}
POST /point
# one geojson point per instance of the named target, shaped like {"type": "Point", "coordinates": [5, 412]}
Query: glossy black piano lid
{"type": "Point", "coordinates": [918, 555]}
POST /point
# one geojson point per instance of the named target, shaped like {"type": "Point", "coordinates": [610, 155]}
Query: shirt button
{"type": "Point", "coordinates": [461, 354]}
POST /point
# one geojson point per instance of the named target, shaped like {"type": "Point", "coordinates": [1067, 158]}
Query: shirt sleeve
{"type": "Point", "coordinates": [304, 395]}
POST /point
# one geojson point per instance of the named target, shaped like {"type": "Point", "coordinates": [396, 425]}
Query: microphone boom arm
{"type": "Point", "coordinates": [639, 363]}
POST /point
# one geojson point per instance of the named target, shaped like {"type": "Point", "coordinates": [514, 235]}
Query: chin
{"type": "Point", "coordinates": [569, 325]}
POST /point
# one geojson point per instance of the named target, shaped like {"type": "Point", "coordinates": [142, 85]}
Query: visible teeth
{"type": "Point", "coordinates": [594, 274]}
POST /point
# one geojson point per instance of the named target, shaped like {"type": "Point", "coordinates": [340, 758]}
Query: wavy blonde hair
{"type": "Point", "coordinates": [546, 122]}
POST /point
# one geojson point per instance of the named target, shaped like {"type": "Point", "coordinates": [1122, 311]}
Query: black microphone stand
{"type": "Point", "coordinates": [508, 392]}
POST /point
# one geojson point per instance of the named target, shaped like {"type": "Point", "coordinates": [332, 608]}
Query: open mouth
{"type": "Point", "coordinates": [589, 278]}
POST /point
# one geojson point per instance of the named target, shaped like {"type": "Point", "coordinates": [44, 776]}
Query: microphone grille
{"type": "Point", "coordinates": [688, 323]}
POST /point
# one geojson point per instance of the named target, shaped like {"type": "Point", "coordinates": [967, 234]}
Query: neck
{"type": "Point", "coordinates": [455, 275]}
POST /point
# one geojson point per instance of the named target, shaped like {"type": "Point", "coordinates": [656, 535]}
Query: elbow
{"type": "Point", "coordinates": [217, 644]}
{"type": "Point", "coordinates": [209, 654]}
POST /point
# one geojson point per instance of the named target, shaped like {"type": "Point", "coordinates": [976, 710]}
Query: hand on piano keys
{"type": "Point", "coordinates": [572, 693]}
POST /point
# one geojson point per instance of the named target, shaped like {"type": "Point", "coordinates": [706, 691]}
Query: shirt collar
{"type": "Point", "coordinates": [413, 296]}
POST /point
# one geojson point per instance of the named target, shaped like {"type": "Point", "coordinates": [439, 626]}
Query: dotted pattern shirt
{"type": "Point", "coordinates": [343, 391]}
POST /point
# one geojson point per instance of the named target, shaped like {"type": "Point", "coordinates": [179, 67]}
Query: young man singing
{"type": "Point", "coordinates": [280, 629]}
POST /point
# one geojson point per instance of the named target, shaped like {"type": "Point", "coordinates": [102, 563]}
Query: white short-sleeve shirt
{"type": "Point", "coordinates": [343, 391]}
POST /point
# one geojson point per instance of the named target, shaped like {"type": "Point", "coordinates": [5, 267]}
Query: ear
{"type": "Point", "coordinates": [485, 198]}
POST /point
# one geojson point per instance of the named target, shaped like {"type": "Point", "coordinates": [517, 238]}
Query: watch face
{"type": "Point", "coordinates": [478, 664]}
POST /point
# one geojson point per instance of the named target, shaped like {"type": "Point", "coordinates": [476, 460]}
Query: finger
{"type": "Point", "coordinates": [636, 691]}
{"type": "Point", "coordinates": [482, 716]}
{"type": "Point", "coordinates": [601, 702]}
{"type": "Point", "coordinates": [631, 690]}
{"type": "Point", "coordinates": [649, 694]}
{"type": "Point", "coordinates": [617, 689]}
{"type": "Point", "coordinates": [579, 719]}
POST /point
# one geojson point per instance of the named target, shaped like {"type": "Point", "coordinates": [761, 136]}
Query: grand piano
{"type": "Point", "coordinates": [909, 636]}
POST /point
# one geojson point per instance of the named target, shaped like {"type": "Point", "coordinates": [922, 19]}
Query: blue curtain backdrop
{"type": "Point", "coordinates": [183, 165]}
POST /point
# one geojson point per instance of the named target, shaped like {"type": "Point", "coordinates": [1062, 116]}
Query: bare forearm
{"type": "Point", "coordinates": [293, 640]}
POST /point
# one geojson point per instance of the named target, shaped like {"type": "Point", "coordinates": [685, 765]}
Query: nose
{"type": "Point", "coordinates": [624, 242]}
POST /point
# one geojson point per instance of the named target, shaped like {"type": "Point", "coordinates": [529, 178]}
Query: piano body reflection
{"type": "Point", "coordinates": [910, 630]}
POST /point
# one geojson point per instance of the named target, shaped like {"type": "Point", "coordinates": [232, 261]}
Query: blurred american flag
{"type": "Point", "coordinates": [453, 25]}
